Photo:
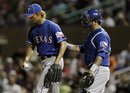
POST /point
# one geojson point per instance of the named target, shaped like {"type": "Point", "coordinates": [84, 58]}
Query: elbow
{"type": "Point", "coordinates": [64, 44]}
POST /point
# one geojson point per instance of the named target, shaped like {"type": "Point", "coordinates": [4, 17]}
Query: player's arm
{"type": "Point", "coordinates": [88, 79]}
{"type": "Point", "coordinates": [29, 54]}
{"type": "Point", "coordinates": [102, 46]}
{"type": "Point", "coordinates": [73, 47]}
{"type": "Point", "coordinates": [96, 64]}
{"type": "Point", "coordinates": [62, 49]}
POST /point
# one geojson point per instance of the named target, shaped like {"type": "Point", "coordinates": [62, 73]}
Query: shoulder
{"type": "Point", "coordinates": [52, 24]}
{"type": "Point", "coordinates": [102, 33]}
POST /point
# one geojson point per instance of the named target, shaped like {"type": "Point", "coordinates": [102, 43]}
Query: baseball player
{"type": "Point", "coordinates": [96, 50]}
{"type": "Point", "coordinates": [50, 43]}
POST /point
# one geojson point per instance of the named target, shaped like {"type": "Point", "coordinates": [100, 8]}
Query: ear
{"type": "Point", "coordinates": [93, 22]}
{"type": "Point", "coordinates": [43, 14]}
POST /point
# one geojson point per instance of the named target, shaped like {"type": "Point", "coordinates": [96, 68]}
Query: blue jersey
{"type": "Point", "coordinates": [46, 38]}
{"type": "Point", "coordinates": [97, 44]}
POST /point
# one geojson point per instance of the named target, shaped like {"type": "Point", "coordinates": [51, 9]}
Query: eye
{"type": "Point", "coordinates": [87, 20]}
{"type": "Point", "coordinates": [84, 19]}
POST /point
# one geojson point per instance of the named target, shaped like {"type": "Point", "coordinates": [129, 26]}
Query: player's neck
{"type": "Point", "coordinates": [41, 21]}
{"type": "Point", "coordinates": [96, 27]}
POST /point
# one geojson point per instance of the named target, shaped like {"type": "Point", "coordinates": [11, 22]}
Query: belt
{"type": "Point", "coordinates": [45, 57]}
{"type": "Point", "coordinates": [104, 65]}
{"type": "Point", "coordinates": [88, 67]}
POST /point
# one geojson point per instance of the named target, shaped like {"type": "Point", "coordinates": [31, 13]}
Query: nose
{"type": "Point", "coordinates": [31, 17]}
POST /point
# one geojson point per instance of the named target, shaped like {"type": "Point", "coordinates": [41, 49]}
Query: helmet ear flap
{"type": "Point", "coordinates": [99, 17]}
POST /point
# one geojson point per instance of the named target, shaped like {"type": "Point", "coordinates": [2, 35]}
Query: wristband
{"type": "Point", "coordinates": [94, 67]}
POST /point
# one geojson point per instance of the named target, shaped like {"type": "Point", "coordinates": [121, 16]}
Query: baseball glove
{"type": "Point", "coordinates": [47, 82]}
{"type": "Point", "coordinates": [87, 80]}
{"type": "Point", "coordinates": [54, 73]}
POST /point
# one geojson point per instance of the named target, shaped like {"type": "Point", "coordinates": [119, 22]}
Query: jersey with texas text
{"type": "Point", "coordinates": [46, 38]}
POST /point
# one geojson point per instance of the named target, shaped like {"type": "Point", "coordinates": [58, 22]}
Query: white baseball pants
{"type": "Point", "coordinates": [46, 65]}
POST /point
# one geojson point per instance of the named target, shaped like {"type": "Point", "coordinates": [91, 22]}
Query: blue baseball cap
{"type": "Point", "coordinates": [33, 9]}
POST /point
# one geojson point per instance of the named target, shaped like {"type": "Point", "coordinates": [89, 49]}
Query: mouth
{"type": "Point", "coordinates": [32, 21]}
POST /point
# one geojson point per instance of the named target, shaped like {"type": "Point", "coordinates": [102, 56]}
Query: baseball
{"type": "Point", "coordinates": [26, 65]}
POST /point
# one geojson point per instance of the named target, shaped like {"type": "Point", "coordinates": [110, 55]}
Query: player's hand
{"type": "Point", "coordinates": [54, 73]}
{"type": "Point", "coordinates": [88, 71]}
{"type": "Point", "coordinates": [87, 80]}
{"type": "Point", "coordinates": [25, 64]}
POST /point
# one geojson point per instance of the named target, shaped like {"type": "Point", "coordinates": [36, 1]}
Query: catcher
{"type": "Point", "coordinates": [96, 50]}
{"type": "Point", "coordinates": [50, 43]}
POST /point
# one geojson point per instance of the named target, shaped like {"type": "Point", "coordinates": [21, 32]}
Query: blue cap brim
{"type": "Point", "coordinates": [28, 14]}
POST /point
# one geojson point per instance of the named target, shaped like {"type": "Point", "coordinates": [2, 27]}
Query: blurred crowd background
{"type": "Point", "coordinates": [14, 79]}
{"type": "Point", "coordinates": [115, 12]}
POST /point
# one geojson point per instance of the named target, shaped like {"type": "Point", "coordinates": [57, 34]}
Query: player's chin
{"type": "Point", "coordinates": [33, 22]}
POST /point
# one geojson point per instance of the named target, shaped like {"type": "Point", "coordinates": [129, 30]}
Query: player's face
{"type": "Point", "coordinates": [86, 22]}
{"type": "Point", "coordinates": [36, 18]}
{"type": "Point", "coordinates": [33, 18]}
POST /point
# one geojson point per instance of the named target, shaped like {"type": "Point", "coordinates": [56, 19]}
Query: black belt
{"type": "Point", "coordinates": [45, 57]}
{"type": "Point", "coordinates": [88, 67]}
{"type": "Point", "coordinates": [104, 65]}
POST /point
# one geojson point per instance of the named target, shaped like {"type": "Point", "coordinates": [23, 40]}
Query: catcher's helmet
{"type": "Point", "coordinates": [90, 15]}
